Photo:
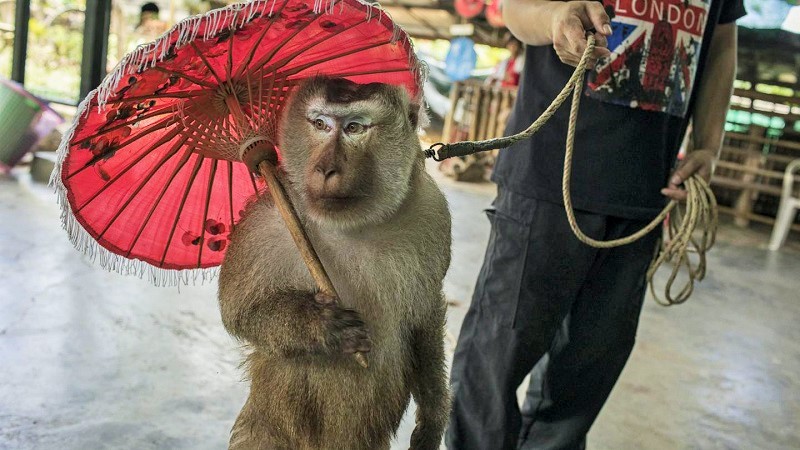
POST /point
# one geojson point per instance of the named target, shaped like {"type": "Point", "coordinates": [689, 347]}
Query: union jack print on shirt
{"type": "Point", "coordinates": [655, 48]}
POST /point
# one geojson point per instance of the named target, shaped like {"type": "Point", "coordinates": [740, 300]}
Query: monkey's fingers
{"type": "Point", "coordinates": [356, 340]}
{"type": "Point", "coordinates": [324, 299]}
{"type": "Point", "coordinates": [361, 360]}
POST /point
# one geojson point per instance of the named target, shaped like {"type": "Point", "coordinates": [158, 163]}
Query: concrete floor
{"type": "Point", "coordinates": [95, 360]}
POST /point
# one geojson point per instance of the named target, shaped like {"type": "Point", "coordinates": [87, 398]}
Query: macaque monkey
{"type": "Point", "coordinates": [355, 174]}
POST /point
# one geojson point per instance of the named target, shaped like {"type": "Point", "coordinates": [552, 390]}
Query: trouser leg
{"type": "Point", "coordinates": [532, 272]}
{"type": "Point", "coordinates": [568, 389]}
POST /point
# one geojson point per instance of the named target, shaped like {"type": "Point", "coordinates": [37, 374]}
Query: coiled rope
{"type": "Point", "coordinates": [700, 209]}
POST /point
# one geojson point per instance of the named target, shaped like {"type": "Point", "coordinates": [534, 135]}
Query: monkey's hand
{"type": "Point", "coordinates": [343, 330]}
{"type": "Point", "coordinates": [426, 436]}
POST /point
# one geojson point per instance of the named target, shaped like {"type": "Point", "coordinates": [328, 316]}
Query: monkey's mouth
{"type": "Point", "coordinates": [334, 202]}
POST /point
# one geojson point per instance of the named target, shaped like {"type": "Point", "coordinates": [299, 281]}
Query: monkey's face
{"type": "Point", "coordinates": [349, 150]}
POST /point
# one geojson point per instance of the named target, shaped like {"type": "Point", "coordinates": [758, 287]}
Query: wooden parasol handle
{"type": "Point", "coordinates": [269, 172]}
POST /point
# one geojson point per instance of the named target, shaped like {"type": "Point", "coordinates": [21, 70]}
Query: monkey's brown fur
{"type": "Point", "coordinates": [382, 230]}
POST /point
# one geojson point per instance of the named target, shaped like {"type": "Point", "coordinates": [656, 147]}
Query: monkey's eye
{"type": "Point", "coordinates": [320, 124]}
{"type": "Point", "coordinates": [354, 128]}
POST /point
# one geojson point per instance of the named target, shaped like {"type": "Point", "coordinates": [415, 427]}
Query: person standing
{"type": "Point", "coordinates": [508, 71]}
{"type": "Point", "coordinates": [545, 303]}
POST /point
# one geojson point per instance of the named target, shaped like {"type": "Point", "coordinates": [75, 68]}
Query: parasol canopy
{"type": "Point", "coordinates": [152, 169]}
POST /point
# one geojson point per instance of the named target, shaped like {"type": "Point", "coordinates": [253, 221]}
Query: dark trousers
{"type": "Point", "coordinates": [544, 297]}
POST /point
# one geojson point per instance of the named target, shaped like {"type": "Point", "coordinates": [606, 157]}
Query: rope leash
{"type": "Point", "coordinates": [700, 209]}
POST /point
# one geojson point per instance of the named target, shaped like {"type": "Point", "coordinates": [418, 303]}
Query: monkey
{"type": "Point", "coordinates": [354, 171]}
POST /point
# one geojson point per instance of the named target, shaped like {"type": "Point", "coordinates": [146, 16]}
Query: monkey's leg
{"type": "Point", "coordinates": [429, 383]}
{"type": "Point", "coordinates": [294, 323]}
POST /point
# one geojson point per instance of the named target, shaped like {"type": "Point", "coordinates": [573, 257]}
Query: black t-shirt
{"type": "Point", "coordinates": [633, 115]}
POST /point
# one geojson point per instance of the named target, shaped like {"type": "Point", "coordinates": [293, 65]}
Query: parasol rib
{"type": "Point", "coordinates": [184, 159]}
{"type": "Point", "coordinates": [188, 189]}
{"type": "Point", "coordinates": [230, 192]}
{"type": "Point", "coordinates": [205, 61]}
{"type": "Point", "coordinates": [229, 66]}
{"type": "Point", "coordinates": [133, 119]}
{"type": "Point", "coordinates": [265, 59]}
{"type": "Point", "coordinates": [145, 180]}
{"type": "Point", "coordinates": [162, 124]}
{"type": "Point", "coordinates": [255, 47]}
{"type": "Point", "coordinates": [294, 55]}
{"type": "Point", "coordinates": [298, 69]}
{"type": "Point", "coordinates": [210, 188]}
{"type": "Point", "coordinates": [116, 177]}
{"type": "Point", "coordinates": [186, 77]}
{"type": "Point", "coordinates": [179, 94]}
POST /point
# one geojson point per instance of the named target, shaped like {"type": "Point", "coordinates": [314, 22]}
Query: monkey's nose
{"type": "Point", "coordinates": [327, 172]}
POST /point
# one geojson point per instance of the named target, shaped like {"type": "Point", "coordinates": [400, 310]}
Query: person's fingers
{"type": "Point", "coordinates": [600, 41]}
{"type": "Point", "coordinates": [575, 34]}
{"type": "Point", "coordinates": [600, 52]}
{"type": "Point", "coordinates": [674, 194]}
{"type": "Point", "coordinates": [570, 42]}
{"type": "Point", "coordinates": [570, 61]}
{"type": "Point", "coordinates": [706, 169]}
{"type": "Point", "coordinates": [705, 172]}
{"type": "Point", "coordinates": [568, 58]}
{"type": "Point", "coordinates": [597, 18]}
{"type": "Point", "coordinates": [684, 171]}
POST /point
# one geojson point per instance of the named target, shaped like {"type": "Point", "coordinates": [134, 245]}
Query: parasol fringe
{"type": "Point", "coordinates": [233, 17]}
{"type": "Point", "coordinates": [148, 55]}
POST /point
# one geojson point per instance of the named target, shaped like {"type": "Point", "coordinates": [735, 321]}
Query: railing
{"type": "Point", "coordinates": [477, 112]}
{"type": "Point", "coordinates": [749, 175]}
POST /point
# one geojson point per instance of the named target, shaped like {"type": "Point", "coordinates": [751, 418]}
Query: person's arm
{"type": "Point", "coordinates": [711, 106]}
{"type": "Point", "coordinates": [558, 23]}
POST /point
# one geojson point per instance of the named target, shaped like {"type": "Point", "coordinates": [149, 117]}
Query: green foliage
{"type": "Point", "coordinates": [55, 48]}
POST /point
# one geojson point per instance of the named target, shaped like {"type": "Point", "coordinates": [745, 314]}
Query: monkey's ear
{"type": "Point", "coordinates": [418, 116]}
{"type": "Point", "coordinates": [413, 115]}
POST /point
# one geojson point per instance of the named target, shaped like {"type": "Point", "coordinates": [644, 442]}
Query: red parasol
{"type": "Point", "coordinates": [494, 13]}
{"type": "Point", "coordinates": [469, 8]}
{"type": "Point", "coordinates": [153, 171]}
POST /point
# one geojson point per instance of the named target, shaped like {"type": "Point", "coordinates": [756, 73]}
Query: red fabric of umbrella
{"type": "Point", "coordinates": [151, 170]}
{"type": "Point", "coordinates": [469, 8]}
{"type": "Point", "coordinates": [494, 13]}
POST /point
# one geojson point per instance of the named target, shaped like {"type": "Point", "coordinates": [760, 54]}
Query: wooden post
{"type": "Point", "coordinates": [448, 119]}
{"type": "Point", "coordinates": [494, 111]}
{"type": "Point", "coordinates": [485, 112]}
{"type": "Point", "coordinates": [503, 111]}
{"type": "Point", "coordinates": [474, 110]}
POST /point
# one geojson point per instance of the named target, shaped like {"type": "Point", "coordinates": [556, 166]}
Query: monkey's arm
{"type": "Point", "coordinates": [292, 323]}
{"type": "Point", "coordinates": [429, 382]}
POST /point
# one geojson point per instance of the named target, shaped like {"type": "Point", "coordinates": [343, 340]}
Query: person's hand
{"type": "Point", "coordinates": [699, 162]}
{"type": "Point", "coordinates": [570, 23]}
